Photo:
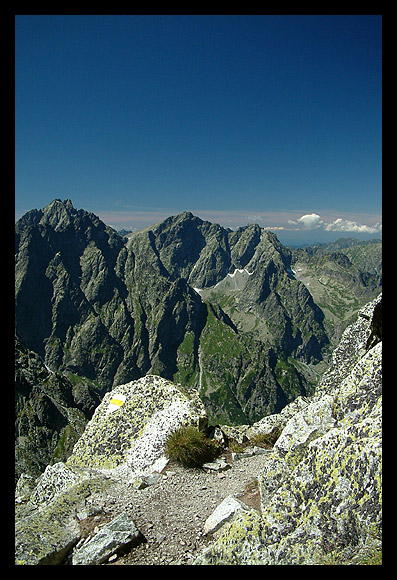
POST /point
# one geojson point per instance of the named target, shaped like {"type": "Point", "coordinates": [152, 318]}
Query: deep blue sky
{"type": "Point", "coordinates": [235, 118]}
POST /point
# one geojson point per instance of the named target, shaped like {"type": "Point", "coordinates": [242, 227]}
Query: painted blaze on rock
{"type": "Point", "coordinates": [133, 421]}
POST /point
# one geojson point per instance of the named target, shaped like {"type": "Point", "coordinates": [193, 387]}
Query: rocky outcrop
{"type": "Point", "coordinates": [320, 483]}
{"type": "Point", "coordinates": [46, 525]}
{"type": "Point", "coordinates": [321, 491]}
{"type": "Point", "coordinates": [130, 426]}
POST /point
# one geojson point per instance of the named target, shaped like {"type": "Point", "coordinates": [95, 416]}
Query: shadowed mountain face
{"type": "Point", "coordinates": [170, 302]}
{"type": "Point", "coordinates": [51, 412]}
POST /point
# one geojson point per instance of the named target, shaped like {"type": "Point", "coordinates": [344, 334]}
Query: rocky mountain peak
{"type": "Point", "coordinates": [58, 214]}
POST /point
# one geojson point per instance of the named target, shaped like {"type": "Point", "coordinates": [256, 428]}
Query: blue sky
{"type": "Point", "coordinates": [271, 119]}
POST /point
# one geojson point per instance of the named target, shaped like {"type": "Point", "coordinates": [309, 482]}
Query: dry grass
{"type": "Point", "coordinates": [191, 447]}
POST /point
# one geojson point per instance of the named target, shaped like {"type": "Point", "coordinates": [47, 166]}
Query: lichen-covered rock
{"type": "Point", "coordinates": [125, 438]}
{"type": "Point", "coordinates": [131, 425]}
{"type": "Point", "coordinates": [305, 426]}
{"type": "Point", "coordinates": [268, 425]}
{"type": "Point", "coordinates": [321, 490]}
{"type": "Point", "coordinates": [119, 534]}
{"type": "Point", "coordinates": [46, 529]}
{"type": "Point", "coordinates": [55, 479]}
{"type": "Point", "coordinates": [350, 349]}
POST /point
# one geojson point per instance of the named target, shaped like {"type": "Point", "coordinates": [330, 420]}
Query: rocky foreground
{"type": "Point", "coordinates": [314, 498]}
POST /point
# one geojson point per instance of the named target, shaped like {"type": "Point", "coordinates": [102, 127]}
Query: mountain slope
{"type": "Point", "coordinates": [204, 254]}
{"type": "Point", "coordinates": [172, 301]}
{"type": "Point", "coordinates": [84, 303]}
{"type": "Point", "coordinates": [341, 277]}
{"type": "Point", "coordinates": [51, 411]}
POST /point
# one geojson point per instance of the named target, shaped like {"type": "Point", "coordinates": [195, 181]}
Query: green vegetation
{"type": "Point", "coordinates": [187, 373]}
{"type": "Point", "coordinates": [191, 447]}
{"type": "Point", "coordinates": [374, 560]}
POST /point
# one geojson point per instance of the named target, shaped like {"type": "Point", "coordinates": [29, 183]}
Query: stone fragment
{"type": "Point", "coordinates": [143, 481]}
{"type": "Point", "coordinates": [223, 513]}
{"type": "Point", "coordinates": [118, 535]}
{"type": "Point", "coordinates": [217, 465]}
{"type": "Point", "coordinates": [236, 456]}
{"type": "Point", "coordinates": [261, 451]}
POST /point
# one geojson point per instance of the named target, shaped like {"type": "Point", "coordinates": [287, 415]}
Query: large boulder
{"type": "Point", "coordinates": [131, 425]}
{"type": "Point", "coordinates": [321, 491]}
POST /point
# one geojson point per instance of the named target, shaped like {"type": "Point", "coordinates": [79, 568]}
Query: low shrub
{"type": "Point", "coordinates": [191, 447]}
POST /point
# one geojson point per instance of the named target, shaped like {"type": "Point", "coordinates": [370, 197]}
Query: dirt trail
{"type": "Point", "coordinates": [171, 513]}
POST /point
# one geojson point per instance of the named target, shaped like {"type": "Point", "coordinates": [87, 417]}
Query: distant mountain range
{"type": "Point", "coordinates": [340, 276]}
{"type": "Point", "coordinates": [235, 314]}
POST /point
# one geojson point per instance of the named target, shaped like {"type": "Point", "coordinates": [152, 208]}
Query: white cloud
{"type": "Point", "coordinates": [310, 221]}
{"type": "Point", "coordinates": [341, 225]}
{"type": "Point", "coordinates": [313, 221]}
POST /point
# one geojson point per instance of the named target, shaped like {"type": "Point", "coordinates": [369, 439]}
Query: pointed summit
{"type": "Point", "coordinates": [58, 214]}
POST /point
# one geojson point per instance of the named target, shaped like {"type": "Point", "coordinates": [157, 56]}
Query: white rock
{"type": "Point", "coordinates": [223, 513]}
{"type": "Point", "coordinates": [132, 437]}
{"type": "Point", "coordinates": [118, 533]}
{"type": "Point", "coordinates": [236, 456]}
{"type": "Point", "coordinates": [217, 465]}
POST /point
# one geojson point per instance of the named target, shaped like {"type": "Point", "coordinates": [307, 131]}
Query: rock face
{"type": "Point", "coordinates": [320, 484]}
{"type": "Point", "coordinates": [321, 489]}
{"type": "Point", "coordinates": [124, 439]}
{"type": "Point", "coordinates": [217, 310]}
{"type": "Point", "coordinates": [340, 275]}
{"type": "Point", "coordinates": [46, 526]}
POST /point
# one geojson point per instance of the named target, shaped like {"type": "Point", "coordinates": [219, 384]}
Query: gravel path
{"type": "Point", "coordinates": [171, 513]}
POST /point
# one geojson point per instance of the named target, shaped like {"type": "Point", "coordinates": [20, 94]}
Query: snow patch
{"type": "Point", "coordinates": [241, 271]}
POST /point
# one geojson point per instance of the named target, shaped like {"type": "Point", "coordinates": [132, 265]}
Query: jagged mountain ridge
{"type": "Point", "coordinates": [91, 304]}
{"type": "Point", "coordinates": [204, 253]}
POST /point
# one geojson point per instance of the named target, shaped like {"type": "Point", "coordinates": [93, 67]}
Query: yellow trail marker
{"type": "Point", "coordinates": [116, 402]}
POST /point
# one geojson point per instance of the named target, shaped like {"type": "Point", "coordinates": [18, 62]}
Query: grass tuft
{"type": "Point", "coordinates": [191, 447]}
